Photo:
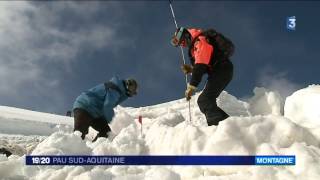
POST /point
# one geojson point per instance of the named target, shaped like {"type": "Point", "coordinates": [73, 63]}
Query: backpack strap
{"type": "Point", "coordinates": [111, 85]}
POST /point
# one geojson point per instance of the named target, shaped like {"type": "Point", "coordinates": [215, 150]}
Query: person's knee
{"type": "Point", "coordinates": [215, 121]}
{"type": "Point", "coordinates": [202, 101]}
{"type": "Point", "coordinates": [214, 117]}
{"type": "Point", "coordinates": [103, 133]}
{"type": "Point", "coordinates": [100, 125]}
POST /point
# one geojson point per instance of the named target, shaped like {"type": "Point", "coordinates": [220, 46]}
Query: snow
{"type": "Point", "coordinates": [256, 127]}
{"type": "Point", "coordinates": [26, 122]}
{"type": "Point", "coordinates": [301, 107]}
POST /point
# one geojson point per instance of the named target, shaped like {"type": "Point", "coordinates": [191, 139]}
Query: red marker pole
{"type": "Point", "coordinates": [140, 121]}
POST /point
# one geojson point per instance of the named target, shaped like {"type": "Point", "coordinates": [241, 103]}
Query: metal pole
{"type": "Point", "coordinates": [183, 58]}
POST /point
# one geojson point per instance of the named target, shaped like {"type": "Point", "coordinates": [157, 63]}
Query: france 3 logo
{"type": "Point", "coordinates": [291, 23]}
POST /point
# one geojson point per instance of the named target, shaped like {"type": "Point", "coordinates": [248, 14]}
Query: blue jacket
{"type": "Point", "coordinates": [99, 101]}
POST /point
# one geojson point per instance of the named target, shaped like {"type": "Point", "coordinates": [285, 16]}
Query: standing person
{"type": "Point", "coordinates": [209, 53]}
{"type": "Point", "coordinates": [95, 107]}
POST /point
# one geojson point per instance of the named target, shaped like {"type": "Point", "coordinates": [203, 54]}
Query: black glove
{"type": "Point", "coordinates": [186, 68]}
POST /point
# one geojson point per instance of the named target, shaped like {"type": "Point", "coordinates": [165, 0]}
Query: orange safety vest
{"type": "Point", "coordinates": [201, 51]}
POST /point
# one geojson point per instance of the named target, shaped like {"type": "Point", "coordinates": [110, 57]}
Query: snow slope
{"type": "Point", "coordinates": [255, 127]}
{"type": "Point", "coordinates": [26, 122]}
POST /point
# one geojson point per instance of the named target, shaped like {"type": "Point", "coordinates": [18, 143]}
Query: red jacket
{"type": "Point", "coordinates": [201, 54]}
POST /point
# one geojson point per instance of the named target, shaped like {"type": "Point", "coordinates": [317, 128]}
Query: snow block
{"type": "Point", "coordinates": [302, 107]}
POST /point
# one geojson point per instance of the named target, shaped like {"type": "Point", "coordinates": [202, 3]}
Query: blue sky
{"type": "Point", "coordinates": [52, 51]}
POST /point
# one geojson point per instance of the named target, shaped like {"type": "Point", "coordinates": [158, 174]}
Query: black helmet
{"type": "Point", "coordinates": [131, 87]}
{"type": "Point", "coordinates": [181, 37]}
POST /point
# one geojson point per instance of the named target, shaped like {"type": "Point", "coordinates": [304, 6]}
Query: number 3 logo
{"type": "Point", "coordinates": [291, 23]}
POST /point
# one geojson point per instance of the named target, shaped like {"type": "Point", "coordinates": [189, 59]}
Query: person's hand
{"type": "Point", "coordinates": [186, 68]}
{"type": "Point", "coordinates": [189, 91]}
{"type": "Point", "coordinates": [174, 41]}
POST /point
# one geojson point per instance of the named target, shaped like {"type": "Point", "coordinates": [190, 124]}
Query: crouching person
{"type": "Point", "coordinates": [94, 107]}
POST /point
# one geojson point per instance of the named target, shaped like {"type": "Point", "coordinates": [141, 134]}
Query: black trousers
{"type": "Point", "coordinates": [217, 81]}
{"type": "Point", "coordinates": [83, 120]}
